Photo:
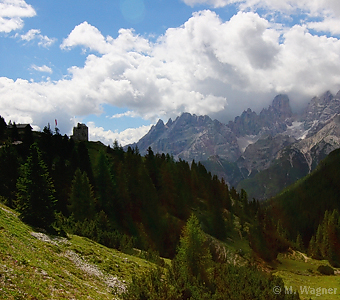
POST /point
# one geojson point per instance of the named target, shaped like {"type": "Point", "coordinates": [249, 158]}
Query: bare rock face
{"type": "Point", "coordinates": [275, 119]}
{"type": "Point", "coordinates": [281, 107]}
{"type": "Point", "coordinates": [320, 110]}
{"type": "Point", "coordinates": [259, 156]}
{"type": "Point", "coordinates": [246, 124]}
{"type": "Point", "coordinates": [191, 137]}
{"type": "Point", "coordinates": [271, 120]}
{"type": "Point", "coordinates": [253, 143]}
{"type": "Point", "coordinates": [317, 146]}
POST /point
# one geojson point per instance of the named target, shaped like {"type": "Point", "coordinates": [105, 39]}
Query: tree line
{"type": "Point", "coordinates": [124, 200]}
{"type": "Point", "coordinates": [118, 198]}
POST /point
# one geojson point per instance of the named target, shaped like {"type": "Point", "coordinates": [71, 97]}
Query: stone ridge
{"type": "Point", "coordinates": [252, 142]}
{"type": "Point", "coordinates": [191, 137]}
{"type": "Point", "coordinates": [249, 123]}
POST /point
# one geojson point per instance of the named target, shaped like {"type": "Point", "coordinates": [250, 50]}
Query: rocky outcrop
{"type": "Point", "coordinates": [319, 111]}
{"type": "Point", "coordinates": [270, 141]}
{"type": "Point", "coordinates": [259, 156]}
{"type": "Point", "coordinates": [191, 137]}
{"type": "Point", "coordinates": [271, 120]}
{"type": "Point", "coordinates": [317, 146]}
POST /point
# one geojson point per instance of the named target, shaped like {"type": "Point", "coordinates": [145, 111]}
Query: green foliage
{"type": "Point", "coordinates": [82, 202]}
{"type": "Point", "coordinates": [9, 164]}
{"type": "Point", "coordinates": [299, 243]}
{"type": "Point", "coordinates": [301, 207]}
{"type": "Point", "coordinates": [265, 239]}
{"type": "Point", "coordinates": [282, 173]}
{"type": "Point", "coordinates": [83, 161]}
{"type": "Point", "coordinates": [145, 198]}
{"type": "Point", "coordinates": [183, 280]}
{"type": "Point", "coordinates": [193, 257]}
{"type": "Point", "coordinates": [326, 270]}
{"type": "Point", "coordinates": [326, 243]}
{"type": "Point", "coordinates": [35, 199]}
{"type": "Point", "coordinates": [105, 186]}
{"type": "Point", "coordinates": [38, 266]}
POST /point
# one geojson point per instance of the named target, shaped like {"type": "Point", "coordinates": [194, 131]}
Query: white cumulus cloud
{"type": "Point", "coordinates": [206, 66]}
{"type": "Point", "coordinates": [331, 25]}
{"type": "Point", "coordinates": [43, 68]}
{"type": "Point", "coordinates": [35, 34]}
{"type": "Point", "coordinates": [12, 13]}
{"type": "Point", "coordinates": [315, 7]}
{"type": "Point", "coordinates": [125, 137]}
{"type": "Point", "coordinates": [125, 114]}
{"type": "Point", "coordinates": [87, 36]}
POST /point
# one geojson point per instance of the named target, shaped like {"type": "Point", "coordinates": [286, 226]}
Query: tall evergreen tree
{"type": "Point", "coordinates": [82, 202]}
{"type": "Point", "coordinates": [299, 243]}
{"type": "Point", "coordinates": [35, 199]}
{"type": "Point", "coordinates": [84, 162]}
{"type": "Point", "coordinates": [105, 187]}
{"type": "Point", "coordinates": [9, 164]}
{"type": "Point", "coordinates": [194, 257]}
{"type": "Point", "coordinates": [3, 127]}
{"type": "Point", "coordinates": [311, 247]}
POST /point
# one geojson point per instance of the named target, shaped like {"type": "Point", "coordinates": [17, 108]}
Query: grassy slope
{"type": "Point", "coordinates": [79, 268]}
{"type": "Point", "coordinates": [34, 266]}
{"type": "Point", "coordinates": [297, 271]}
{"type": "Point", "coordinates": [74, 268]}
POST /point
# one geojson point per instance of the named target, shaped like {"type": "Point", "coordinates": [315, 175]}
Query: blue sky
{"type": "Point", "coordinates": [119, 66]}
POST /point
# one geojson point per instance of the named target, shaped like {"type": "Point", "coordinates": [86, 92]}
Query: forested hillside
{"type": "Point", "coordinates": [308, 211]}
{"type": "Point", "coordinates": [109, 195]}
{"type": "Point", "coordinates": [151, 204]}
{"type": "Point", "coordinates": [126, 201]}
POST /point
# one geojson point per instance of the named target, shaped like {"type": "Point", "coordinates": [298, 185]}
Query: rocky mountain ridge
{"type": "Point", "coordinates": [191, 137]}
{"type": "Point", "coordinates": [252, 142]}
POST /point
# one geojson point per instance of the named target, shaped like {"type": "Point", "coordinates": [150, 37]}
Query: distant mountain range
{"type": "Point", "coordinates": [262, 153]}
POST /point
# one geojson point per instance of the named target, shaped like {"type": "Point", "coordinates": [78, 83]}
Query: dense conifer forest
{"type": "Point", "coordinates": [164, 208]}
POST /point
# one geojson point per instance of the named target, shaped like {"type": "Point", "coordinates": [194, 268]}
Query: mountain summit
{"type": "Point", "coordinates": [253, 142]}
{"type": "Point", "coordinates": [249, 123]}
{"type": "Point", "coordinates": [191, 137]}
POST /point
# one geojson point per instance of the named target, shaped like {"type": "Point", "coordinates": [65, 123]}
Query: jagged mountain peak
{"type": "Point", "coordinates": [271, 120]}
{"type": "Point", "coordinates": [159, 124]}
{"type": "Point", "coordinates": [188, 117]}
{"type": "Point", "coordinates": [280, 101]}
{"type": "Point", "coordinates": [251, 142]}
{"type": "Point", "coordinates": [169, 123]}
{"type": "Point", "coordinates": [280, 108]}
{"type": "Point", "coordinates": [337, 96]}
{"type": "Point", "coordinates": [191, 137]}
{"type": "Point", "coordinates": [320, 110]}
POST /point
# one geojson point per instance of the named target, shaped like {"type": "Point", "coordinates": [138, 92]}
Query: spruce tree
{"type": "Point", "coordinates": [318, 242]}
{"type": "Point", "coordinates": [311, 247]}
{"type": "Point", "coordinates": [82, 202]}
{"type": "Point", "coordinates": [3, 127]}
{"type": "Point", "coordinates": [35, 199]}
{"type": "Point", "coordinates": [84, 161]}
{"type": "Point", "coordinates": [299, 243]}
{"type": "Point", "coordinates": [333, 239]}
{"type": "Point", "coordinates": [9, 164]}
{"type": "Point", "coordinates": [193, 257]}
{"type": "Point", "coordinates": [105, 188]}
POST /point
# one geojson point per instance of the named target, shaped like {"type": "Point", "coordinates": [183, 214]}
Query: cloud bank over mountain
{"type": "Point", "coordinates": [206, 66]}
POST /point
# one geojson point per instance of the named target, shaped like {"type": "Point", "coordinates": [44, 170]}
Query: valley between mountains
{"type": "Point", "coordinates": [196, 209]}
{"type": "Point", "coordinates": [261, 153]}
